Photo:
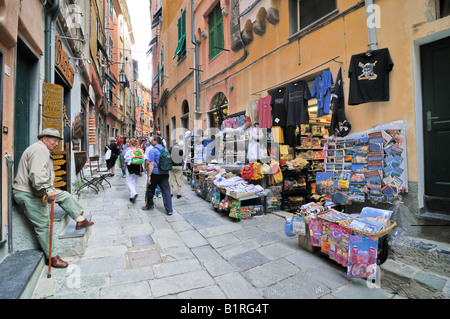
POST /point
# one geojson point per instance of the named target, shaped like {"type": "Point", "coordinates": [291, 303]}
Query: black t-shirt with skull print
{"type": "Point", "coordinates": [369, 77]}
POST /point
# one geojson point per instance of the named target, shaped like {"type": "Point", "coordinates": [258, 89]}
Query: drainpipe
{"type": "Point", "coordinates": [50, 16]}
{"type": "Point", "coordinates": [196, 73]}
{"type": "Point", "coordinates": [10, 163]}
{"type": "Point", "coordinates": [371, 25]}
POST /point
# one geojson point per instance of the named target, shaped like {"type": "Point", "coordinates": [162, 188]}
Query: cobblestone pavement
{"type": "Point", "coordinates": [196, 253]}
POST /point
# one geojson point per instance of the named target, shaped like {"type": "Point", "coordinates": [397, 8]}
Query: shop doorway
{"type": "Point", "coordinates": [435, 67]}
{"type": "Point", "coordinates": [22, 102]}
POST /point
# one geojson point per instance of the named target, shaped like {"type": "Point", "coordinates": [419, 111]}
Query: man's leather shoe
{"type": "Point", "coordinates": [83, 224]}
{"type": "Point", "coordinates": [58, 262]}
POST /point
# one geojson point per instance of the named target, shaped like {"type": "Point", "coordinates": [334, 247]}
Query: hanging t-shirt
{"type": "Point", "coordinates": [322, 92]}
{"type": "Point", "coordinates": [278, 111]}
{"type": "Point", "coordinates": [265, 112]}
{"type": "Point", "coordinates": [369, 77]}
{"type": "Point", "coordinates": [251, 111]}
{"type": "Point", "coordinates": [339, 126]}
{"type": "Point", "coordinates": [296, 99]}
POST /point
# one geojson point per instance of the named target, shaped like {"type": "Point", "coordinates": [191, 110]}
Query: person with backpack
{"type": "Point", "coordinates": [176, 174]}
{"type": "Point", "coordinates": [134, 158]}
{"type": "Point", "coordinates": [159, 165]}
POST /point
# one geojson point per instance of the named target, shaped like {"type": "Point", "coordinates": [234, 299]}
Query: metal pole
{"type": "Point", "coordinates": [9, 163]}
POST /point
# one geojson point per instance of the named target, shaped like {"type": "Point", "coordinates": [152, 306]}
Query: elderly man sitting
{"type": "Point", "coordinates": [35, 179]}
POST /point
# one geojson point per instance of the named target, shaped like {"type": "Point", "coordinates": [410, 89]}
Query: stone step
{"type": "Point", "coordinates": [19, 273]}
{"type": "Point", "coordinates": [428, 255]}
{"type": "Point", "coordinates": [436, 208]}
{"type": "Point", "coordinates": [71, 232]}
{"type": "Point", "coordinates": [412, 282]}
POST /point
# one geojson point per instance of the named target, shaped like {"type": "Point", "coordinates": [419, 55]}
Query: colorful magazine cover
{"type": "Point", "coordinates": [362, 259]}
{"type": "Point", "coordinates": [315, 232]}
{"type": "Point", "coordinates": [325, 237]}
{"type": "Point", "coordinates": [339, 241]}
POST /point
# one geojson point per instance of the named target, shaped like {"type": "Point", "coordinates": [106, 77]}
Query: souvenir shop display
{"type": "Point", "coordinates": [340, 236]}
{"type": "Point", "coordinates": [368, 165]}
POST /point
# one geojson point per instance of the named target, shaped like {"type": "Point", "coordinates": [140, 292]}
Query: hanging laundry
{"type": "Point", "coordinates": [322, 92]}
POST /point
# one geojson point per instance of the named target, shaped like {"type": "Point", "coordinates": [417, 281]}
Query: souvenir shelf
{"type": "Point", "coordinates": [312, 141]}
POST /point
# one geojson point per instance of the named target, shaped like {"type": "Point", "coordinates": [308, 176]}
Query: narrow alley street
{"type": "Point", "coordinates": [196, 253]}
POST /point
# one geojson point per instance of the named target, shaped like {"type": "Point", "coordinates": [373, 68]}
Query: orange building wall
{"type": "Point", "coordinates": [344, 37]}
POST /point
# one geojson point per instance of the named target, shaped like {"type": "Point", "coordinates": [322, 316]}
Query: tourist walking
{"type": "Point", "coordinates": [156, 176]}
{"type": "Point", "coordinates": [133, 160]}
{"type": "Point", "coordinates": [123, 149]}
{"type": "Point", "coordinates": [147, 150]}
{"type": "Point", "coordinates": [115, 152]}
{"type": "Point", "coordinates": [176, 173]}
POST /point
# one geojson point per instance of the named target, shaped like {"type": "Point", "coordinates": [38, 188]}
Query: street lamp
{"type": "Point", "coordinates": [122, 77]}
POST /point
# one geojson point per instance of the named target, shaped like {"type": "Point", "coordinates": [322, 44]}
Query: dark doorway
{"type": "Point", "coordinates": [24, 67]}
{"type": "Point", "coordinates": [435, 64]}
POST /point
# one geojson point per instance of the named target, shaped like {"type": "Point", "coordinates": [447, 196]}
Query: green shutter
{"type": "Point", "coordinates": [181, 27]}
{"type": "Point", "coordinates": [215, 24]}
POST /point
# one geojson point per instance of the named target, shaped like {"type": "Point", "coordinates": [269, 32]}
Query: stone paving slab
{"type": "Point", "coordinates": [270, 273]}
{"type": "Point", "coordinates": [247, 260]}
{"type": "Point", "coordinates": [180, 283]}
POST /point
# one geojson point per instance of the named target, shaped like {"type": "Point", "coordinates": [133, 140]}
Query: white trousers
{"type": "Point", "coordinates": [132, 183]}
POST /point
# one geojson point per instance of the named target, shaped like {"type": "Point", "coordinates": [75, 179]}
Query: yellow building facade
{"type": "Point", "coordinates": [270, 43]}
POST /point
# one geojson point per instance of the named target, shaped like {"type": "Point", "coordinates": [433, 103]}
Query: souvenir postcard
{"type": "Point", "coordinates": [324, 182]}
{"type": "Point", "coordinates": [376, 214]}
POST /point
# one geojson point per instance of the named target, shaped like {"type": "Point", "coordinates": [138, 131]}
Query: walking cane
{"type": "Point", "coordinates": [49, 275]}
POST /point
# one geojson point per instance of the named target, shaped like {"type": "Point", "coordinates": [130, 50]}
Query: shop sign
{"type": "Point", "coordinates": [61, 161]}
{"type": "Point", "coordinates": [52, 108]}
{"type": "Point", "coordinates": [62, 63]}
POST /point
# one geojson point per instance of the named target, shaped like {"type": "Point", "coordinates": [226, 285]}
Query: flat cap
{"type": "Point", "coordinates": [50, 132]}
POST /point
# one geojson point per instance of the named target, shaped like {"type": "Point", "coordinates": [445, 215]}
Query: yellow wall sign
{"type": "Point", "coordinates": [52, 108]}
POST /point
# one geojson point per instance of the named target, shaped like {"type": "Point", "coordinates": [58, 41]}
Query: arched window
{"type": "Point", "coordinates": [218, 110]}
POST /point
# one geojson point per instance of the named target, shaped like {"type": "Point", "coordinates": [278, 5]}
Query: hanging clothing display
{"type": "Point", "coordinates": [265, 112]}
{"type": "Point", "coordinates": [290, 136]}
{"type": "Point", "coordinates": [322, 92]}
{"type": "Point", "coordinates": [251, 111]}
{"type": "Point", "coordinates": [296, 99]}
{"type": "Point", "coordinates": [278, 109]}
{"type": "Point", "coordinates": [256, 148]}
{"type": "Point", "coordinates": [369, 77]}
{"type": "Point", "coordinates": [340, 126]}
{"type": "Point", "coordinates": [277, 134]}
